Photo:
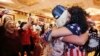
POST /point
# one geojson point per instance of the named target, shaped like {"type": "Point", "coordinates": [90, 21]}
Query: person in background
{"type": "Point", "coordinates": [42, 29]}
{"type": "Point", "coordinates": [25, 34]}
{"type": "Point", "coordinates": [94, 32]}
{"type": "Point", "coordinates": [18, 24]}
{"type": "Point", "coordinates": [10, 45]}
{"type": "Point", "coordinates": [3, 20]}
{"type": "Point", "coordinates": [93, 41]}
{"type": "Point", "coordinates": [38, 48]}
{"type": "Point", "coordinates": [2, 13]}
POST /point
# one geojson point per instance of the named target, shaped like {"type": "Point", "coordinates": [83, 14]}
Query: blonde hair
{"type": "Point", "coordinates": [7, 23]}
{"type": "Point", "coordinates": [4, 19]}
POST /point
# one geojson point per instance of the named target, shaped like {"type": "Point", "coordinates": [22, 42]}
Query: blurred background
{"type": "Point", "coordinates": [41, 10]}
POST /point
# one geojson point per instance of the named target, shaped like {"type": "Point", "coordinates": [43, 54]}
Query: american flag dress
{"type": "Point", "coordinates": [72, 49]}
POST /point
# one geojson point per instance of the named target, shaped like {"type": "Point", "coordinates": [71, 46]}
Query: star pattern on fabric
{"type": "Point", "coordinates": [72, 27]}
{"type": "Point", "coordinates": [75, 29]}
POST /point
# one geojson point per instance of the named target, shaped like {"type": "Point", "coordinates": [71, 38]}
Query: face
{"type": "Point", "coordinates": [5, 19]}
{"type": "Point", "coordinates": [11, 25]}
{"type": "Point", "coordinates": [63, 19]}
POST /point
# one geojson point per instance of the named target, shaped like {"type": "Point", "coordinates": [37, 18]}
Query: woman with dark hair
{"type": "Point", "coordinates": [74, 33]}
{"type": "Point", "coordinates": [78, 16]}
{"type": "Point", "coordinates": [25, 34]}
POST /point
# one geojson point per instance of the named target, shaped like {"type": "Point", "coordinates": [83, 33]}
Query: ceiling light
{"type": "Point", "coordinates": [6, 1]}
{"type": "Point", "coordinates": [93, 11]}
{"type": "Point", "coordinates": [28, 2]}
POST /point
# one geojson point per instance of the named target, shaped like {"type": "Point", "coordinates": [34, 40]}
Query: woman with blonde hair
{"type": "Point", "coordinates": [10, 40]}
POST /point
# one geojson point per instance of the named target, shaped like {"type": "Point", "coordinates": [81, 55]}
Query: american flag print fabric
{"type": "Point", "coordinates": [47, 36]}
{"type": "Point", "coordinates": [72, 49]}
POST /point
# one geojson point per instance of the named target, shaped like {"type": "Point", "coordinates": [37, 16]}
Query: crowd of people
{"type": "Point", "coordinates": [19, 39]}
{"type": "Point", "coordinates": [69, 37]}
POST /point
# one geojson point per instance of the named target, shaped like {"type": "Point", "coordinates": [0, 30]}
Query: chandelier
{"type": "Point", "coordinates": [96, 2]}
{"type": "Point", "coordinates": [27, 2]}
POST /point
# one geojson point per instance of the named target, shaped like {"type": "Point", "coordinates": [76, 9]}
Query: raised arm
{"type": "Point", "coordinates": [29, 21]}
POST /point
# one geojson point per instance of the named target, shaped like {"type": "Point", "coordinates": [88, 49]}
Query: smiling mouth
{"type": "Point", "coordinates": [12, 27]}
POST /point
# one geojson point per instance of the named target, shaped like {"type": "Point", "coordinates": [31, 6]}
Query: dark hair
{"type": "Point", "coordinates": [0, 16]}
{"type": "Point", "coordinates": [19, 22]}
{"type": "Point", "coordinates": [22, 24]}
{"type": "Point", "coordinates": [78, 15]}
{"type": "Point", "coordinates": [43, 29]}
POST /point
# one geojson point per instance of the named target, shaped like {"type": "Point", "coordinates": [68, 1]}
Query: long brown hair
{"type": "Point", "coordinates": [78, 15]}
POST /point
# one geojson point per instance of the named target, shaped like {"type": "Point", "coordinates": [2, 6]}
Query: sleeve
{"type": "Point", "coordinates": [47, 36]}
{"type": "Point", "coordinates": [74, 28]}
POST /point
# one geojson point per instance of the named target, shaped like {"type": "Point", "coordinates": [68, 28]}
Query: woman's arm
{"type": "Point", "coordinates": [63, 31]}
{"type": "Point", "coordinates": [26, 26]}
{"type": "Point", "coordinates": [79, 40]}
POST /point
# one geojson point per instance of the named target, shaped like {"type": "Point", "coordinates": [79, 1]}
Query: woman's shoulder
{"type": "Point", "coordinates": [74, 28]}
{"type": "Point", "coordinates": [2, 30]}
{"type": "Point", "coordinates": [73, 24]}
{"type": "Point", "coordinates": [1, 27]}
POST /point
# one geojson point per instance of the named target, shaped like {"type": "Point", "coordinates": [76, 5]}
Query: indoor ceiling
{"type": "Point", "coordinates": [41, 6]}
